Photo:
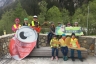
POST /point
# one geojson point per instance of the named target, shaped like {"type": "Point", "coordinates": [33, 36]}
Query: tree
{"type": "Point", "coordinates": [8, 17]}
{"type": "Point", "coordinates": [43, 8]}
{"type": "Point", "coordinates": [7, 21]}
{"type": "Point", "coordinates": [20, 12]}
{"type": "Point", "coordinates": [65, 16]}
{"type": "Point", "coordinates": [54, 14]}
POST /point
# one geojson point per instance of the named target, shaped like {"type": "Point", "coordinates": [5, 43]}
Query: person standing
{"type": "Point", "coordinates": [74, 43]}
{"type": "Point", "coordinates": [36, 25]}
{"type": "Point", "coordinates": [64, 48]}
{"type": "Point", "coordinates": [51, 33]}
{"type": "Point", "coordinates": [17, 25]}
{"type": "Point", "coordinates": [26, 22]}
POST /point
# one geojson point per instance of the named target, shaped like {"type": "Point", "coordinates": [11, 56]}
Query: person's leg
{"type": "Point", "coordinates": [65, 53]}
{"type": "Point", "coordinates": [53, 50]}
{"type": "Point", "coordinates": [37, 44]}
{"type": "Point", "coordinates": [48, 38]}
{"type": "Point", "coordinates": [56, 53]}
{"type": "Point", "coordinates": [72, 55]}
{"type": "Point", "coordinates": [62, 50]}
{"type": "Point", "coordinates": [79, 55]}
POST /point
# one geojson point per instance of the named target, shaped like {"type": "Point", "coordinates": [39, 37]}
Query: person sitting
{"type": "Point", "coordinates": [74, 43]}
{"type": "Point", "coordinates": [51, 33]}
{"type": "Point", "coordinates": [54, 43]}
{"type": "Point", "coordinates": [64, 48]}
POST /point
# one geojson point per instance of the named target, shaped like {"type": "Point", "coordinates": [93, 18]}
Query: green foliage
{"type": "Point", "coordinates": [54, 14]}
{"type": "Point", "coordinates": [81, 16]}
{"type": "Point", "coordinates": [7, 21]}
{"type": "Point", "coordinates": [50, 10]}
{"type": "Point", "coordinates": [8, 18]}
{"type": "Point", "coordinates": [43, 8]}
{"type": "Point", "coordinates": [30, 18]}
{"type": "Point", "coordinates": [65, 16]}
{"type": "Point", "coordinates": [20, 12]}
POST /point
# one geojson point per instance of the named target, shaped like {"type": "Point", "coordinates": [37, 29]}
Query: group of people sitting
{"type": "Point", "coordinates": [56, 43]}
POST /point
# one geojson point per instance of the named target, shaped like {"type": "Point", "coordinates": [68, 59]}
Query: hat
{"type": "Point", "coordinates": [25, 19]}
{"type": "Point", "coordinates": [17, 19]}
{"type": "Point", "coordinates": [34, 16]}
{"type": "Point", "coordinates": [63, 35]}
{"type": "Point", "coordinates": [73, 34]}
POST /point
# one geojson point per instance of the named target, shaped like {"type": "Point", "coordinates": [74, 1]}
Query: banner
{"type": "Point", "coordinates": [69, 31]}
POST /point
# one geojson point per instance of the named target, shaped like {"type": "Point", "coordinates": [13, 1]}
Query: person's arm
{"type": "Point", "coordinates": [51, 30]}
{"type": "Point", "coordinates": [70, 44]}
{"type": "Point", "coordinates": [51, 43]}
{"type": "Point", "coordinates": [77, 43]}
{"type": "Point", "coordinates": [13, 29]}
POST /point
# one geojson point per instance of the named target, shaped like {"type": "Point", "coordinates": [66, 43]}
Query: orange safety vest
{"type": "Point", "coordinates": [33, 23]}
{"type": "Point", "coordinates": [74, 43]}
{"type": "Point", "coordinates": [38, 29]}
{"type": "Point", "coordinates": [62, 42]}
{"type": "Point", "coordinates": [16, 27]}
{"type": "Point", "coordinates": [54, 43]}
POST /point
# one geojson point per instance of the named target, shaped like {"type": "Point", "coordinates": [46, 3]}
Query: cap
{"type": "Point", "coordinates": [63, 35]}
{"type": "Point", "coordinates": [25, 19]}
{"type": "Point", "coordinates": [17, 19]}
{"type": "Point", "coordinates": [34, 16]}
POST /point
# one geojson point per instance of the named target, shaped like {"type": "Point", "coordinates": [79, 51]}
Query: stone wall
{"type": "Point", "coordinates": [89, 42]}
{"type": "Point", "coordinates": [4, 41]}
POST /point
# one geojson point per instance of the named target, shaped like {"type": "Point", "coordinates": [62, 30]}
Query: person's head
{"type": "Point", "coordinates": [25, 20]}
{"type": "Point", "coordinates": [76, 24]}
{"type": "Point", "coordinates": [59, 24]}
{"type": "Point", "coordinates": [73, 35]}
{"type": "Point", "coordinates": [54, 37]}
{"type": "Point", "coordinates": [63, 36]}
{"type": "Point", "coordinates": [17, 20]}
{"type": "Point", "coordinates": [52, 24]}
{"type": "Point", "coordinates": [68, 24]}
{"type": "Point", "coordinates": [35, 18]}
